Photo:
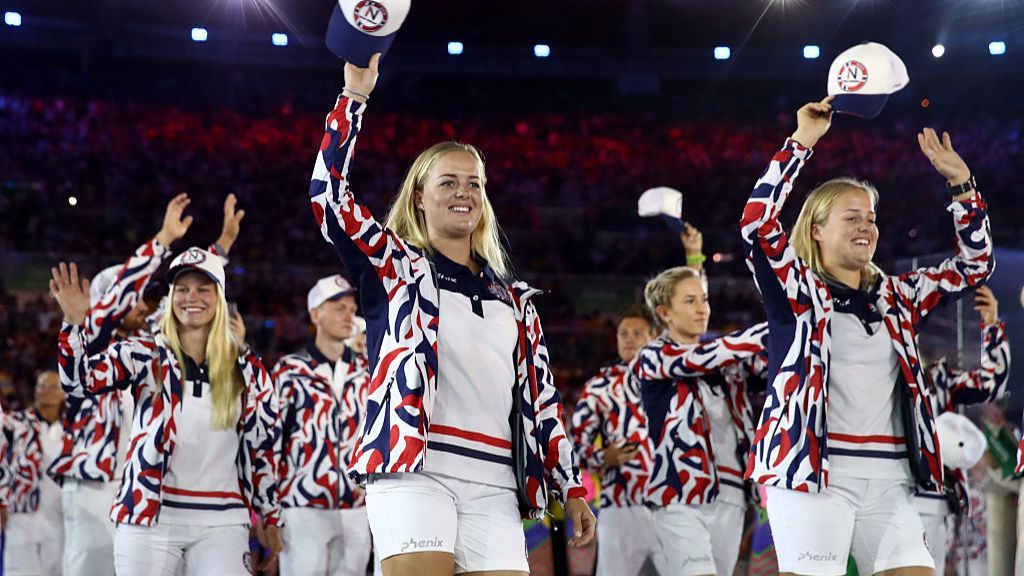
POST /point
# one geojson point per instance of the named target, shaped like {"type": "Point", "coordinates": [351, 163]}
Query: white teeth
{"type": "Point", "coordinates": [463, 209]}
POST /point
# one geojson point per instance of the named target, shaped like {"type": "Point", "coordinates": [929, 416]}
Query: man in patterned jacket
{"type": "Point", "coordinates": [35, 532]}
{"type": "Point", "coordinates": [609, 409]}
{"type": "Point", "coordinates": [90, 463]}
{"type": "Point", "coordinates": [322, 391]}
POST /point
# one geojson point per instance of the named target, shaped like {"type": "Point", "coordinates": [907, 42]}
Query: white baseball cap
{"type": "Point", "coordinates": [663, 202]}
{"type": "Point", "coordinates": [863, 77]}
{"type": "Point", "coordinates": [326, 289]}
{"type": "Point", "coordinates": [199, 260]}
{"type": "Point", "coordinates": [102, 282]}
{"type": "Point", "coordinates": [962, 444]}
{"type": "Point", "coordinates": [360, 28]}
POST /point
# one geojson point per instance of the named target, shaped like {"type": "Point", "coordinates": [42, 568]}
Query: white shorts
{"type": "Point", "coordinates": [726, 534]}
{"type": "Point", "coordinates": [33, 546]}
{"type": "Point", "coordinates": [934, 511]}
{"type": "Point", "coordinates": [872, 520]}
{"type": "Point", "coordinates": [426, 512]}
{"type": "Point", "coordinates": [88, 529]}
{"type": "Point", "coordinates": [684, 533]}
{"type": "Point", "coordinates": [320, 542]}
{"type": "Point", "coordinates": [162, 550]}
{"type": "Point", "coordinates": [626, 539]}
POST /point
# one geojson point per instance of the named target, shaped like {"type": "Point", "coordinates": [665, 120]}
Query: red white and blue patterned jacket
{"type": "Point", "coordinates": [24, 460]}
{"type": "Point", "coordinates": [399, 299]}
{"type": "Point", "coordinates": [790, 449]}
{"type": "Point", "coordinates": [684, 469]}
{"type": "Point", "coordinates": [92, 424]}
{"type": "Point", "coordinates": [319, 427]}
{"type": "Point", "coordinates": [609, 408]}
{"type": "Point", "coordinates": [954, 387]}
{"type": "Point", "coordinates": [133, 364]}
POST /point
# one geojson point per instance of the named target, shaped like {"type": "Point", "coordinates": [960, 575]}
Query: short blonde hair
{"type": "Point", "coordinates": [815, 212]}
{"type": "Point", "coordinates": [408, 222]}
{"type": "Point", "coordinates": [659, 290]}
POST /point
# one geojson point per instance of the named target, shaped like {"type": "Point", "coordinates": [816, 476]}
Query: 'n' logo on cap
{"type": "Point", "coordinates": [369, 16]}
{"type": "Point", "coordinates": [852, 76]}
{"type": "Point", "coordinates": [193, 256]}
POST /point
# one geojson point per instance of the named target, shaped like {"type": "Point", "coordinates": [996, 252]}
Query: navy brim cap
{"type": "Point", "coordinates": [173, 273]}
{"type": "Point", "coordinates": [861, 105]}
{"type": "Point", "coordinates": [351, 44]}
{"type": "Point", "coordinates": [674, 224]}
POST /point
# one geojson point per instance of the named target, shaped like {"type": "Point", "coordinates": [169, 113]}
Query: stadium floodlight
{"type": "Point", "coordinates": [279, 39]}
{"type": "Point", "coordinates": [541, 50]}
{"type": "Point", "coordinates": [811, 52]}
{"type": "Point", "coordinates": [722, 52]}
{"type": "Point", "coordinates": [72, 201]}
{"type": "Point", "coordinates": [997, 48]}
{"type": "Point", "coordinates": [12, 18]}
{"type": "Point", "coordinates": [455, 48]}
{"type": "Point", "coordinates": [938, 50]}
{"type": "Point", "coordinates": [199, 35]}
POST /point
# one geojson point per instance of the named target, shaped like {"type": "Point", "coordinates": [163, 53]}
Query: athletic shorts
{"type": "Point", "coordinates": [873, 520]}
{"type": "Point", "coordinates": [427, 512]}
{"type": "Point", "coordinates": [684, 533]}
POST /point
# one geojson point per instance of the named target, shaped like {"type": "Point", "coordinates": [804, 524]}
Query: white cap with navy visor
{"type": "Point", "coordinates": [665, 203]}
{"type": "Point", "coordinates": [863, 77]}
{"type": "Point", "coordinates": [326, 289]}
{"type": "Point", "coordinates": [198, 260]}
{"type": "Point", "coordinates": [360, 28]}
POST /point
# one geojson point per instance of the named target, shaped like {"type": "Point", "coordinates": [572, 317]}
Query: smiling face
{"type": "Point", "coordinates": [687, 313]}
{"type": "Point", "coordinates": [48, 391]}
{"type": "Point", "coordinates": [194, 299]}
{"type": "Point", "coordinates": [848, 237]}
{"type": "Point", "coordinates": [452, 196]}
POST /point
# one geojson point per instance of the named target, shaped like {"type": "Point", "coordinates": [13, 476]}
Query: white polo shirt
{"type": "Point", "coordinates": [469, 435]}
{"type": "Point", "coordinates": [724, 443]}
{"type": "Point", "coordinates": [201, 485]}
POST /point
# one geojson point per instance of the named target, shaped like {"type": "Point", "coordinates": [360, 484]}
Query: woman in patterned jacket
{"type": "Point", "coordinates": [847, 432]}
{"type": "Point", "coordinates": [463, 432]}
{"type": "Point", "coordinates": [205, 429]}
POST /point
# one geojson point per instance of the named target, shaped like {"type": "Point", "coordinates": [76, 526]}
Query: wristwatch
{"type": "Point", "coordinates": [969, 186]}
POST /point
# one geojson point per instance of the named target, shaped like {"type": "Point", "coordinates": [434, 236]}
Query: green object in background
{"type": "Point", "coordinates": [851, 567]}
{"type": "Point", "coordinates": [1003, 447]}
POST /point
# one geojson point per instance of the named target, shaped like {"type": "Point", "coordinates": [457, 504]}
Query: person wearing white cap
{"type": "Point", "coordinates": [322, 391]}
{"type": "Point", "coordinates": [463, 433]}
{"type": "Point", "coordinates": [95, 441]}
{"type": "Point", "coordinates": [205, 430]}
{"type": "Point", "coordinates": [847, 432]}
{"type": "Point", "coordinates": [959, 439]}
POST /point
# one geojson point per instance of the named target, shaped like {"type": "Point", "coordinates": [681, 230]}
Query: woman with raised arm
{"type": "Point", "coordinates": [205, 428]}
{"type": "Point", "coordinates": [847, 432]}
{"type": "Point", "coordinates": [463, 432]}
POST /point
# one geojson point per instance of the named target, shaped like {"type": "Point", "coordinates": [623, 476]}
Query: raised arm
{"type": "Point", "coordinates": [664, 360]}
{"type": "Point", "coordinates": [973, 263]}
{"type": "Point", "coordinates": [987, 384]}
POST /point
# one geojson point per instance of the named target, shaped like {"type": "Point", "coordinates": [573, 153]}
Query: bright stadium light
{"type": "Point", "coordinates": [12, 18]}
{"type": "Point", "coordinates": [199, 35]}
{"type": "Point", "coordinates": [541, 50]}
{"type": "Point", "coordinates": [279, 39]}
{"type": "Point", "coordinates": [938, 50]}
{"type": "Point", "coordinates": [722, 52]}
{"type": "Point", "coordinates": [455, 48]}
{"type": "Point", "coordinates": [997, 48]}
{"type": "Point", "coordinates": [811, 51]}
{"type": "Point", "coordinates": [72, 201]}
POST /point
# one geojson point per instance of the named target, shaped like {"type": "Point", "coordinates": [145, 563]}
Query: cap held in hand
{"type": "Point", "coordinates": [663, 202]}
{"type": "Point", "coordinates": [863, 77]}
{"type": "Point", "coordinates": [360, 28]}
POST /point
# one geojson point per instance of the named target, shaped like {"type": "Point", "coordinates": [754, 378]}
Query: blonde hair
{"type": "Point", "coordinates": [659, 290]}
{"type": "Point", "coordinates": [815, 212]}
{"type": "Point", "coordinates": [408, 222]}
{"type": "Point", "coordinates": [221, 357]}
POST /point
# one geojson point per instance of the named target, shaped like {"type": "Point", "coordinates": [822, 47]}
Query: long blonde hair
{"type": "Point", "coordinates": [221, 357]}
{"type": "Point", "coordinates": [815, 212]}
{"type": "Point", "coordinates": [408, 222]}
